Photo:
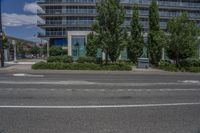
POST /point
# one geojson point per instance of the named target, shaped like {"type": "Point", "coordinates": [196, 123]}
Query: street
{"type": "Point", "coordinates": [99, 102]}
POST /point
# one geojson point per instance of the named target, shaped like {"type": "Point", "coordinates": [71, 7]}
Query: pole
{"type": "Point", "coordinates": [1, 40]}
{"type": "Point", "coordinates": [163, 53]}
{"type": "Point", "coordinates": [48, 48]}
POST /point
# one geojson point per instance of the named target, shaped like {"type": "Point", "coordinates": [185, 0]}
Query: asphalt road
{"type": "Point", "coordinates": [99, 103]}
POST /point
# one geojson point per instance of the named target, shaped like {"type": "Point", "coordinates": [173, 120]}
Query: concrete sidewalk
{"type": "Point", "coordinates": [26, 68]}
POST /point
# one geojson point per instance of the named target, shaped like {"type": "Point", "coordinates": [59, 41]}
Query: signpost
{"type": "Point", "coordinates": [1, 39]}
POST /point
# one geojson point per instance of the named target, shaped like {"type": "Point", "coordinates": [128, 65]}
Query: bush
{"type": "Point", "coordinates": [81, 66]}
{"type": "Point", "coordinates": [168, 66]}
{"type": "Point", "coordinates": [56, 51]}
{"type": "Point", "coordinates": [190, 63]}
{"type": "Point", "coordinates": [117, 66]}
{"type": "Point", "coordinates": [40, 65]}
{"type": "Point", "coordinates": [86, 59]}
{"type": "Point", "coordinates": [60, 59]}
{"type": "Point", "coordinates": [193, 69]}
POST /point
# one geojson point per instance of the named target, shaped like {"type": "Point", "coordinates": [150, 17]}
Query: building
{"type": "Point", "coordinates": [9, 52]}
{"type": "Point", "coordinates": [67, 22]}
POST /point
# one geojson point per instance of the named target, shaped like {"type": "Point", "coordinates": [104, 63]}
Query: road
{"type": "Point", "coordinates": [99, 103]}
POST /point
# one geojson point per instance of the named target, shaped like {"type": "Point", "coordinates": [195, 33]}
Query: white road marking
{"type": "Point", "coordinates": [101, 106]}
{"type": "Point", "coordinates": [100, 90]}
{"type": "Point", "coordinates": [191, 81]}
{"type": "Point", "coordinates": [73, 82]}
{"type": "Point", "coordinates": [26, 75]}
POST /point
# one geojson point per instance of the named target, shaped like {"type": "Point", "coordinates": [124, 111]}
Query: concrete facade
{"type": "Point", "coordinates": [65, 19]}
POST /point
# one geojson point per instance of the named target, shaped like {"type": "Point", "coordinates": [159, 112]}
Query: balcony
{"type": "Point", "coordinates": [66, 23]}
{"type": "Point", "coordinates": [68, 11]}
{"type": "Point", "coordinates": [126, 2]}
{"type": "Point", "coordinates": [52, 34]}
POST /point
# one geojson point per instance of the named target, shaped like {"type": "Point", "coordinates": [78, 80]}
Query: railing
{"type": "Point", "coordinates": [52, 33]}
{"type": "Point", "coordinates": [68, 11]}
{"type": "Point", "coordinates": [67, 22]}
{"type": "Point", "coordinates": [146, 2]}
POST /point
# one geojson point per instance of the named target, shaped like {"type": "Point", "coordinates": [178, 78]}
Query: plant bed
{"type": "Point", "coordinates": [187, 67]}
{"type": "Point", "coordinates": [81, 66]}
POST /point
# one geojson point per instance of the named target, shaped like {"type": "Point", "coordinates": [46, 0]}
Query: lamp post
{"type": "Point", "coordinates": [1, 39]}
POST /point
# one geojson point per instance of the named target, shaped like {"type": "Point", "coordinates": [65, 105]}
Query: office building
{"type": "Point", "coordinates": [67, 22]}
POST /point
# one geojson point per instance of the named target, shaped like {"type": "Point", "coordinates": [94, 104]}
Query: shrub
{"type": "Point", "coordinates": [81, 66]}
{"type": "Point", "coordinates": [56, 51]}
{"type": "Point", "coordinates": [86, 59]}
{"type": "Point", "coordinates": [193, 69]}
{"type": "Point", "coordinates": [40, 65]}
{"type": "Point", "coordinates": [117, 66]}
{"type": "Point", "coordinates": [190, 63]}
{"type": "Point", "coordinates": [168, 66]}
{"type": "Point", "coordinates": [60, 59]}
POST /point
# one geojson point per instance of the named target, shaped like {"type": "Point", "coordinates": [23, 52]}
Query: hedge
{"type": "Point", "coordinates": [80, 66]}
{"type": "Point", "coordinates": [186, 66]}
{"type": "Point", "coordinates": [85, 59]}
{"type": "Point", "coordinates": [168, 66]}
{"type": "Point", "coordinates": [60, 59]}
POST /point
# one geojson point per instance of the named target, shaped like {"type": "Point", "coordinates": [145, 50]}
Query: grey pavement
{"type": "Point", "coordinates": [99, 102]}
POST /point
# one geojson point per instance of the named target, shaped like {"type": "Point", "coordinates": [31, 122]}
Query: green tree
{"type": "Point", "coordinates": [108, 27]}
{"type": "Point", "coordinates": [91, 46]}
{"type": "Point", "coordinates": [183, 38]}
{"type": "Point", "coordinates": [4, 41]}
{"type": "Point", "coordinates": [35, 50]}
{"type": "Point", "coordinates": [155, 35]}
{"type": "Point", "coordinates": [136, 40]}
{"type": "Point", "coordinates": [55, 51]}
{"type": "Point", "coordinates": [20, 48]}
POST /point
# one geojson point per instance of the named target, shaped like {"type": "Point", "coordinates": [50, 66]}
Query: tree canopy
{"type": "Point", "coordinates": [136, 39]}
{"type": "Point", "coordinates": [182, 38]}
{"type": "Point", "coordinates": [108, 27]}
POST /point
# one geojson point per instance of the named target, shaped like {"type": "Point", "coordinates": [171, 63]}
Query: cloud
{"type": "Point", "coordinates": [13, 20]}
{"type": "Point", "coordinates": [31, 7]}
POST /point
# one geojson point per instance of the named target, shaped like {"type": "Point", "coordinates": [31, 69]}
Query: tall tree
{"type": "Point", "coordinates": [136, 40]}
{"type": "Point", "coordinates": [155, 35]}
{"type": "Point", "coordinates": [20, 48]}
{"type": "Point", "coordinates": [92, 45]}
{"type": "Point", "coordinates": [183, 38]}
{"type": "Point", "coordinates": [108, 27]}
{"type": "Point", "coordinates": [35, 50]}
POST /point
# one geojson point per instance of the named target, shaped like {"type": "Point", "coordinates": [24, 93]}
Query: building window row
{"type": "Point", "coordinates": [172, 3]}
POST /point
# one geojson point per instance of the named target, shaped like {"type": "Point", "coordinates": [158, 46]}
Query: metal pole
{"type": "Point", "coordinates": [48, 48]}
{"type": "Point", "coordinates": [1, 40]}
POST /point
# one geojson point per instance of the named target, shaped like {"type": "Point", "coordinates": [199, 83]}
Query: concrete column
{"type": "Point", "coordinates": [6, 55]}
{"type": "Point", "coordinates": [69, 38]}
{"type": "Point", "coordinates": [103, 56]}
{"type": "Point", "coordinates": [15, 50]}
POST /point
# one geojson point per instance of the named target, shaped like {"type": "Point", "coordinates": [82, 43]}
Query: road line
{"type": "Point", "coordinates": [27, 75]}
{"type": "Point", "coordinates": [100, 106]}
{"type": "Point", "coordinates": [72, 82]}
{"type": "Point", "coordinates": [191, 81]}
{"type": "Point", "coordinates": [100, 90]}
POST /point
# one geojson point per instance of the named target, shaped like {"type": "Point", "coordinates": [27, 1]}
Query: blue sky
{"type": "Point", "coordinates": [19, 18]}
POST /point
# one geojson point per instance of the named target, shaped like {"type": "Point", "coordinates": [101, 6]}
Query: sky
{"type": "Point", "coordinates": [20, 19]}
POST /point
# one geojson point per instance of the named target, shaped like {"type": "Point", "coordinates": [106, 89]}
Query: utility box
{"type": "Point", "coordinates": [143, 63]}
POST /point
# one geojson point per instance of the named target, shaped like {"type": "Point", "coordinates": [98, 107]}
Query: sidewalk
{"type": "Point", "coordinates": [25, 67]}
